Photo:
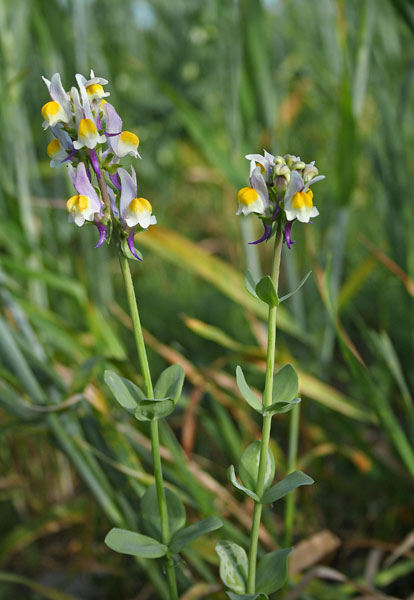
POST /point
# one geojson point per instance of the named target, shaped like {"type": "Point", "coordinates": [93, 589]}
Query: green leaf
{"type": "Point", "coordinates": [154, 409]}
{"type": "Point", "coordinates": [250, 283]}
{"type": "Point", "coordinates": [187, 535]}
{"type": "Point", "coordinates": [285, 384]}
{"type": "Point", "coordinates": [150, 516]}
{"type": "Point", "coordinates": [259, 596]}
{"type": "Point", "coordinates": [233, 566]}
{"type": "Point", "coordinates": [247, 393]}
{"type": "Point", "coordinates": [136, 544]}
{"type": "Point", "coordinates": [231, 474]}
{"type": "Point", "coordinates": [127, 252]}
{"type": "Point", "coordinates": [266, 291]}
{"type": "Point", "coordinates": [285, 486]}
{"type": "Point", "coordinates": [170, 383]}
{"type": "Point", "coordinates": [278, 408]}
{"type": "Point", "coordinates": [272, 571]}
{"type": "Point", "coordinates": [249, 466]}
{"type": "Point", "coordinates": [304, 280]}
{"type": "Point", "coordinates": [126, 393]}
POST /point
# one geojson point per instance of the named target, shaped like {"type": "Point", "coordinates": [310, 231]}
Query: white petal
{"type": "Point", "coordinates": [314, 180]}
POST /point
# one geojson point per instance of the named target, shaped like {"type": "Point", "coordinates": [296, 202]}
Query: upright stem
{"type": "Point", "coordinates": [267, 419]}
{"type": "Point", "coordinates": [292, 455]}
{"type": "Point", "coordinates": [149, 392]}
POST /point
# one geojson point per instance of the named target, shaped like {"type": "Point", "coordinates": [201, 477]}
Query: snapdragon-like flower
{"type": "Point", "coordinates": [279, 193]}
{"type": "Point", "coordinates": [85, 205]}
{"type": "Point", "coordinates": [298, 202]}
{"type": "Point", "coordinates": [254, 198]}
{"type": "Point", "coordinates": [89, 139]}
{"type": "Point", "coordinates": [134, 211]}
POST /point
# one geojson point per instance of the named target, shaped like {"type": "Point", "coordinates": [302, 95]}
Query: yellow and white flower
{"type": "Point", "coordinates": [58, 109]}
{"type": "Point", "coordinates": [86, 203]}
{"type": "Point", "coordinates": [253, 198]}
{"type": "Point", "coordinates": [134, 211]}
{"type": "Point", "coordinates": [88, 135]}
{"type": "Point", "coordinates": [298, 201]}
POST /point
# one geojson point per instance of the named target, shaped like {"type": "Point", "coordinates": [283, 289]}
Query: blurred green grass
{"type": "Point", "coordinates": [202, 83]}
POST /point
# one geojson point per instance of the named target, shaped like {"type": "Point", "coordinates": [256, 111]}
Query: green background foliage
{"type": "Point", "coordinates": [202, 83]}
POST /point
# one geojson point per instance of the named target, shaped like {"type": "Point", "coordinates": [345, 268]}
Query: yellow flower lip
{"type": "Point", "coordinates": [50, 110]}
{"type": "Point", "coordinates": [87, 128]}
{"type": "Point", "coordinates": [77, 203]}
{"type": "Point", "coordinates": [302, 200]}
{"type": "Point", "coordinates": [129, 138]}
{"type": "Point", "coordinates": [140, 205]}
{"type": "Point", "coordinates": [247, 196]}
{"type": "Point", "coordinates": [53, 148]}
{"type": "Point", "coordinates": [95, 89]}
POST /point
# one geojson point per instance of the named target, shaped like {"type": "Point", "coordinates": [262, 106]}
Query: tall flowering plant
{"type": "Point", "coordinates": [88, 138]}
{"type": "Point", "coordinates": [279, 193]}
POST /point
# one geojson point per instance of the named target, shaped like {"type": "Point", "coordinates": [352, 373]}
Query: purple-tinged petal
{"type": "Point", "coordinates": [131, 246]}
{"type": "Point", "coordinates": [265, 236]}
{"type": "Point", "coordinates": [77, 106]}
{"type": "Point", "coordinates": [95, 164]}
{"type": "Point", "coordinates": [128, 189]}
{"type": "Point", "coordinates": [288, 240]}
{"type": "Point", "coordinates": [58, 94]}
{"type": "Point", "coordinates": [276, 209]}
{"type": "Point", "coordinates": [84, 187]}
{"type": "Point", "coordinates": [63, 137]}
{"type": "Point", "coordinates": [114, 207]}
{"type": "Point", "coordinates": [113, 126]}
{"type": "Point", "coordinates": [115, 180]}
{"type": "Point", "coordinates": [71, 173]}
{"type": "Point", "coordinates": [258, 183]}
{"type": "Point", "coordinates": [102, 233]}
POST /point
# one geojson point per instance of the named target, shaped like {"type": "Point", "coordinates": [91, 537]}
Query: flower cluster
{"type": "Point", "coordinates": [279, 192]}
{"type": "Point", "coordinates": [89, 139]}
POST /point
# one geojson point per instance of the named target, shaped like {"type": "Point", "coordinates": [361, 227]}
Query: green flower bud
{"type": "Point", "coordinates": [310, 172]}
{"type": "Point", "coordinates": [298, 165]}
{"type": "Point", "coordinates": [290, 159]}
{"type": "Point", "coordinates": [281, 176]}
{"type": "Point", "coordinates": [279, 160]}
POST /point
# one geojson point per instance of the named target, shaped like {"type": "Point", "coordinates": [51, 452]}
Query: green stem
{"type": "Point", "coordinates": [155, 439]}
{"type": "Point", "coordinates": [292, 456]}
{"type": "Point", "coordinates": [267, 419]}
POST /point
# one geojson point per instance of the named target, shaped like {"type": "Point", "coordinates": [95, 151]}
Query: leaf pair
{"type": "Point", "coordinates": [265, 289]}
{"type": "Point", "coordinates": [270, 577]}
{"type": "Point", "coordinates": [136, 544]}
{"type": "Point", "coordinates": [284, 391]}
{"type": "Point", "coordinates": [167, 392]}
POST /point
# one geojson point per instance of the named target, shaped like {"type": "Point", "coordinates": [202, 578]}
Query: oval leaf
{"type": "Point", "coordinates": [150, 516]}
{"type": "Point", "coordinates": [233, 565]}
{"type": "Point", "coordinates": [126, 393]}
{"type": "Point", "coordinates": [246, 392]}
{"type": "Point", "coordinates": [249, 466]}
{"type": "Point", "coordinates": [285, 384]}
{"type": "Point", "coordinates": [170, 383]}
{"type": "Point", "coordinates": [272, 571]}
{"type": "Point", "coordinates": [231, 474]}
{"type": "Point", "coordinates": [189, 534]}
{"type": "Point", "coordinates": [149, 410]}
{"type": "Point", "coordinates": [266, 291]}
{"type": "Point", "coordinates": [278, 408]}
{"type": "Point", "coordinates": [285, 486]}
{"type": "Point", "coordinates": [129, 542]}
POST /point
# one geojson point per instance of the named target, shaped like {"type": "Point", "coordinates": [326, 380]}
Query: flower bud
{"type": "Point", "coordinates": [298, 165]}
{"type": "Point", "coordinates": [281, 176]}
{"type": "Point", "coordinates": [279, 160]}
{"type": "Point", "coordinates": [290, 159]}
{"type": "Point", "coordinates": [310, 172]}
